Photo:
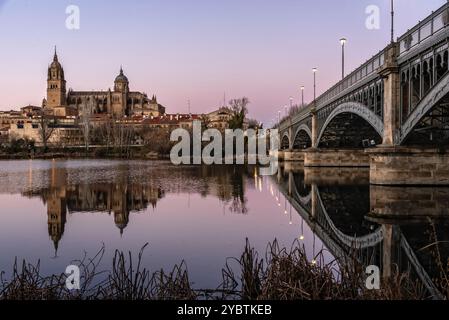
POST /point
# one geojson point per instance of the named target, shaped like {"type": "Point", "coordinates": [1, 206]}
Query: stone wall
{"type": "Point", "coordinates": [336, 158]}
{"type": "Point", "coordinates": [410, 202]}
{"type": "Point", "coordinates": [294, 156]}
{"type": "Point", "coordinates": [407, 166]}
{"type": "Point", "coordinates": [336, 176]}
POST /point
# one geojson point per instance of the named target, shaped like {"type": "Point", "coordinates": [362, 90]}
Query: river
{"type": "Point", "coordinates": [58, 211]}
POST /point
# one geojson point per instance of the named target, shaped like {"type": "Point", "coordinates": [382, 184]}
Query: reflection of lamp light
{"type": "Point", "coordinates": [291, 220]}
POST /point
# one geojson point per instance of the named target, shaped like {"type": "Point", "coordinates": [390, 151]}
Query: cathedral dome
{"type": "Point", "coordinates": [121, 77]}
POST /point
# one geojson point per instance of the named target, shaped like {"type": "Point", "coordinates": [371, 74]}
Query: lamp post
{"type": "Point", "coordinates": [343, 43]}
{"type": "Point", "coordinates": [291, 102]}
{"type": "Point", "coordinates": [302, 96]}
{"type": "Point", "coordinates": [286, 109]}
{"type": "Point", "coordinates": [314, 84]}
{"type": "Point", "coordinates": [392, 21]}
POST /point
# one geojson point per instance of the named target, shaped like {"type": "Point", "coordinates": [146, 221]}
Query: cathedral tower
{"type": "Point", "coordinates": [56, 84]}
{"type": "Point", "coordinates": [120, 95]}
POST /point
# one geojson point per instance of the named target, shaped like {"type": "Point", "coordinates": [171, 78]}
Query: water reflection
{"type": "Point", "coordinates": [201, 214]}
{"type": "Point", "coordinates": [388, 226]}
{"type": "Point", "coordinates": [204, 213]}
{"type": "Point", "coordinates": [67, 191]}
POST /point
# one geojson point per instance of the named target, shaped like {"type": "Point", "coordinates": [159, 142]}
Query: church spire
{"type": "Point", "coordinates": [55, 57]}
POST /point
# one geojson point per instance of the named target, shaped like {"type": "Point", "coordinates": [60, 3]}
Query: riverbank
{"type": "Point", "coordinates": [284, 275]}
{"type": "Point", "coordinates": [137, 153]}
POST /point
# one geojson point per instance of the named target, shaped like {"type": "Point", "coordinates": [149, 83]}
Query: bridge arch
{"type": "Point", "coordinates": [285, 142]}
{"type": "Point", "coordinates": [348, 125]}
{"type": "Point", "coordinates": [302, 138]}
{"type": "Point", "coordinates": [428, 123]}
{"type": "Point", "coordinates": [350, 241]}
{"type": "Point", "coordinates": [301, 191]}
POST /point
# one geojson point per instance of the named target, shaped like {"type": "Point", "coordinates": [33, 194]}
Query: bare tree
{"type": "Point", "coordinates": [239, 109]}
{"type": "Point", "coordinates": [205, 122]}
{"type": "Point", "coordinates": [45, 129]}
{"type": "Point", "coordinates": [85, 120]}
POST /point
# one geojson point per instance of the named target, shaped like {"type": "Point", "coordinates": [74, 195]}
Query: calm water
{"type": "Point", "coordinates": [56, 211]}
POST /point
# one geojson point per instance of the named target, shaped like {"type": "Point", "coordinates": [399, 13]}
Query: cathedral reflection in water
{"type": "Point", "coordinates": [126, 193]}
{"type": "Point", "coordinates": [118, 198]}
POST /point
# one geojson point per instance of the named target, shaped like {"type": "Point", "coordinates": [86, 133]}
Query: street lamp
{"type": "Point", "coordinates": [291, 102]}
{"type": "Point", "coordinates": [302, 96]}
{"type": "Point", "coordinates": [343, 43]}
{"type": "Point", "coordinates": [315, 70]}
{"type": "Point", "coordinates": [392, 21]}
{"type": "Point", "coordinates": [286, 109]}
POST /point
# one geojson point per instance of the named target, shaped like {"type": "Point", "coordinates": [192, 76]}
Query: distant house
{"type": "Point", "coordinates": [219, 119]}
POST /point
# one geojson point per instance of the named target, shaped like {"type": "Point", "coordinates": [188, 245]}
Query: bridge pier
{"type": "Point", "coordinates": [293, 155]}
{"type": "Point", "coordinates": [336, 158]}
{"type": "Point", "coordinates": [408, 166]}
{"type": "Point", "coordinates": [333, 176]}
{"type": "Point", "coordinates": [293, 166]}
{"type": "Point", "coordinates": [407, 203]}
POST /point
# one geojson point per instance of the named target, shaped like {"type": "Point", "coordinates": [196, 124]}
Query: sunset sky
{"type": "Point", "coordinates": [195, 49]}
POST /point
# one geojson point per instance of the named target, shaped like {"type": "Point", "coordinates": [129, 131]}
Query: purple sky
{"type": "Point", "coordinates": [196, 49]}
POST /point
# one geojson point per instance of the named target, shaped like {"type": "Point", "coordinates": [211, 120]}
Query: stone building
{"type": "Point", "coordinates": [219, 119]}
{"type": "Point", "coordinates": [119, 102]}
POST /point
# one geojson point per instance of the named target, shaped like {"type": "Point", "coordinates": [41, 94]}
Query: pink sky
{"type": "Point", "coordinates": [193, 50]}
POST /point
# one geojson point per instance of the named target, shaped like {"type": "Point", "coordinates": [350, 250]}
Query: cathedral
{"type": "Point", "coordinates": [119, 102]}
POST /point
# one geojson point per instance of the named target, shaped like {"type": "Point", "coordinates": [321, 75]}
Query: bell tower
{"type": "Point", "coordinates": [56, 84]}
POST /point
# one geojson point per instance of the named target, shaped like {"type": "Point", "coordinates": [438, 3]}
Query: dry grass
{"type": "Point", "coordinates": [283, 274]}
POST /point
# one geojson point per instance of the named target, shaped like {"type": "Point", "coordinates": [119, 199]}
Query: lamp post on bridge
{"type": "Point", "coordinates": [315, 70]}
{"type": "Point", "coordinates": [392, 21]}
{"type": "Point", "coordinates": [302, 96]}
{"type": "Point", "coordinates": [343, 43]}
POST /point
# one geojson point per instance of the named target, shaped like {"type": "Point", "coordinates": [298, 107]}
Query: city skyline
{"type": "Point", "coordinates": [212, 49]}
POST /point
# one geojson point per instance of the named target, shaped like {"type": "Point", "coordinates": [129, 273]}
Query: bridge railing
{"type": "Point", "coordinates": [433, 24]}
{"type": "Point", "coordinates": [355, 77]}
{"type": "Point", "coordinates": [303, 113]}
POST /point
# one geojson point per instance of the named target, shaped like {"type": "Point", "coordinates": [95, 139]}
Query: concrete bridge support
{"type": "Point", "coordinates": [408, 166]}
{"type": "Point", "coordinates": [396, 204]}
{"type": "Point", "coordinates": [294, 155]}
{"type": "Point", "coordinates": [389, 249]}
{"type": "Point", "coordinates": [336, 158]}
{"type": "Point", "coordinates": [390, 74]}
{"type": "Point", "coordinates": [314, 128]}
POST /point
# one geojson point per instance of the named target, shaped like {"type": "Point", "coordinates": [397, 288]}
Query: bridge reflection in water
{"type": "Point", "coordinates": [390, 227]}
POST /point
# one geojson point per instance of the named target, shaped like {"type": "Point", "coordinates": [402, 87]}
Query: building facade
{"type": "Point", "coordinates": [119, 102]}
